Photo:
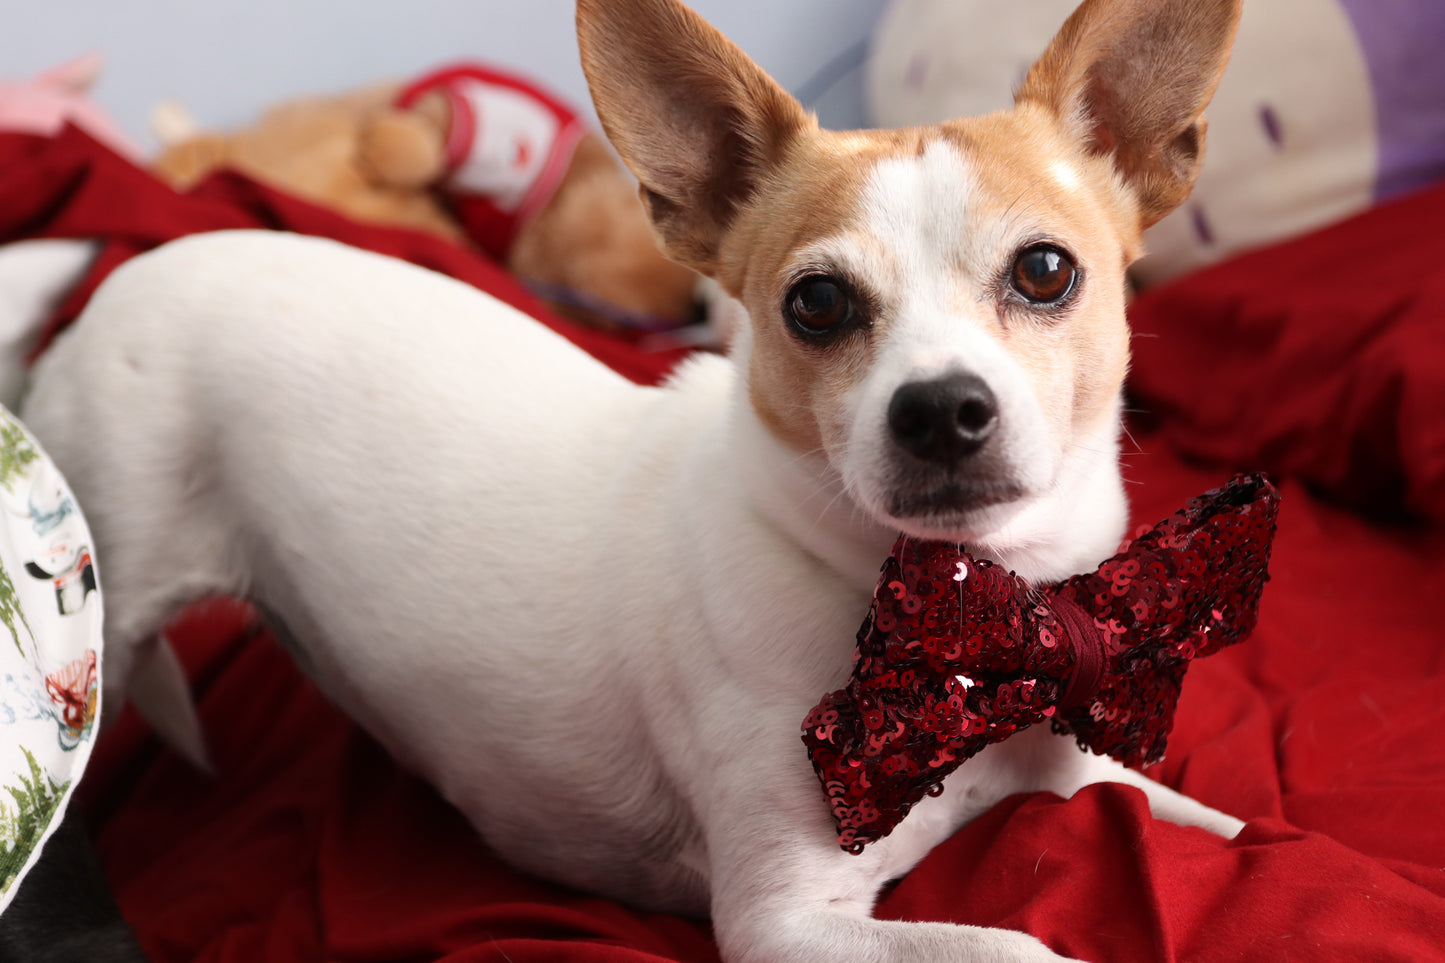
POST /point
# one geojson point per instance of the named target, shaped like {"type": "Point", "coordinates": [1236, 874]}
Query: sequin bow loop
{"type": "Point", "coordinates": [956, 653]}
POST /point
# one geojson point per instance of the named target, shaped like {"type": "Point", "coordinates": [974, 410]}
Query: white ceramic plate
{"type": "Point", "coordinates": [50, 618]}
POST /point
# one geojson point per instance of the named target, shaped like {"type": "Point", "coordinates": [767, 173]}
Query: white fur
{"type": "Point", "coordinates": [593, 614]}
{"type": "Point", "coordinates": [35, 277]}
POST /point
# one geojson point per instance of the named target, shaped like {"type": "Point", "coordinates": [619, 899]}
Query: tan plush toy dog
{"type": "Point", "coordinates": [473, 156]}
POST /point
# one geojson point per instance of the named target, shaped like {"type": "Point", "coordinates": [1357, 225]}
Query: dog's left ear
{"type": "Point", "coordinates": [1131, 78]}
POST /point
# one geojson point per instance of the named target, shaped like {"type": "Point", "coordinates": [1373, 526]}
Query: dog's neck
{"type": "Point", "coordinates": [1077, 525]}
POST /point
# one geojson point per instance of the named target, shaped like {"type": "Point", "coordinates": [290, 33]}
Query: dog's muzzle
{"type": "Point", "coordinates": [943, 462]}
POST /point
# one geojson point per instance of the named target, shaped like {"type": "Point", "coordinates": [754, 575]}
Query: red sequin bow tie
{"type": "Point", "coordinates": [956, 654]}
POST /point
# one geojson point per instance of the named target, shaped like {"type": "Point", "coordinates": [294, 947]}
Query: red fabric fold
{"type": "Point", "coordinates": [1322, 358]}
{"type": "Point", "coordinates": [1324, 730]}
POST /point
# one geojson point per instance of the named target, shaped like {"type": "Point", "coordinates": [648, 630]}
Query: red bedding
{"type": "Point", "coordinates": [1326, 731]}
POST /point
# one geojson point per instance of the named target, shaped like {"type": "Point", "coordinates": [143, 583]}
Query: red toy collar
{"type": "Point", "coordinates": [508, 149]}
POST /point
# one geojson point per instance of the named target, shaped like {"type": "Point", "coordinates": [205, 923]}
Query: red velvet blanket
{"type": "Point", "coordinates": [1321, 360]}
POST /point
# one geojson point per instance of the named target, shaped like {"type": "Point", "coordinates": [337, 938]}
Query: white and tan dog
{"type": "Point", "coordinates": [595, 614]}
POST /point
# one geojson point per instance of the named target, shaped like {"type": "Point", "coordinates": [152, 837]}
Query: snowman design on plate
{"type": "Point", "coordinates": [50, 650]}
{"type": "Point", "coordinates": [50, 536]}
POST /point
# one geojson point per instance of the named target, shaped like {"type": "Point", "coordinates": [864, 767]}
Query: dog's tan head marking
{"type": "Point", "coordinates": [940, 309]}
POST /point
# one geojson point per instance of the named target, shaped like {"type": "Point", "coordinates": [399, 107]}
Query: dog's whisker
{"type": "Point", "coordinates": [1138, 448]}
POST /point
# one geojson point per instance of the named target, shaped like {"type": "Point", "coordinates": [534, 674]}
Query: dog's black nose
{"type": "Point", "coordinates": [943, 420]}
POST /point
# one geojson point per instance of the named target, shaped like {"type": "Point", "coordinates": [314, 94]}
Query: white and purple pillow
{"type": "Point", "coordinates": [1327, 107]}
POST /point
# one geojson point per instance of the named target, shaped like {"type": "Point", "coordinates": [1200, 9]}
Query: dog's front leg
{"type": "Point", "coordinates": [784, 892]}
{"type": "Point", "coordinates": [1167, 804]}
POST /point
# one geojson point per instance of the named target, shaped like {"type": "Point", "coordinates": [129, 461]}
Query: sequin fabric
{"type": "Point", "coordinates": [956, 654]}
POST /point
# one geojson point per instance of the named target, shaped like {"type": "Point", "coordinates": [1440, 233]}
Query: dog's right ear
{"type": "Point", "coordinates": [696, 120]}
{"type": "Point", "coordinates": [1131, 78]}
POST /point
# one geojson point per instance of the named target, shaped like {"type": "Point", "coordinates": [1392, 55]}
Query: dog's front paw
{"type": "Point", "coordinates": [977, 944]}
{"type": "Point", "coordinates": [838, 938]}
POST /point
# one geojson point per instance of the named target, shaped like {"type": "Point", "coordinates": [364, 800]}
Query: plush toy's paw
{"type": "Point", "coordinates": [403, 149]}
{"type": "Point", "coordinates": [185, 164]}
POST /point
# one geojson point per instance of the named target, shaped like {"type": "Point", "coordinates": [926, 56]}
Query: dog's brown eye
{"type": "Point", "coordinates": [819, 305]}
{"type": "Point", "coordinates": [1043, 274]}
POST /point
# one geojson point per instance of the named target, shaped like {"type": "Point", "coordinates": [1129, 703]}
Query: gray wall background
{"type": "Point", "coordinates": [226, 60]}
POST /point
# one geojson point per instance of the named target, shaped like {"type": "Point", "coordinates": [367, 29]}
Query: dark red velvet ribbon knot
{"type": "Point", "coordinates": [956, 654]}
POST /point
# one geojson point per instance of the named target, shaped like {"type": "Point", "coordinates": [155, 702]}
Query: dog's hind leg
{"type": "Point", "coordinates": [161, 544]}
{"type": "Point", "coordinates": [161, 694]}
{"type": "Point", "coordinates": [149, 572]}
{"type": "Point", "coordinates": [162, 536]}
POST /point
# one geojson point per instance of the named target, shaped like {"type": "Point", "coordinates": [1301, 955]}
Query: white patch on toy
{"type": "Point", "coordinates": [513, 138]}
